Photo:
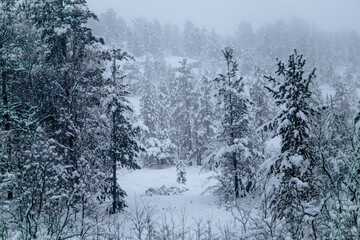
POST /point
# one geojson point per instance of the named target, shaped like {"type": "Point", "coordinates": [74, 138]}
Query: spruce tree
{"type": "Point", "coordinates": [205, 120]}
{"type": "Point", "coordinates": [181, 172]}
{"type": "Point", "coordinates": [158, 147]}
{"type": "Point", "coordinates": [235, 153]}
{"type": "Point", "coordinates": [182, 108]}
{"type": "Point", "coordinates": [293, 184]}
{"type": "Point", "coordinates": [124, 146]}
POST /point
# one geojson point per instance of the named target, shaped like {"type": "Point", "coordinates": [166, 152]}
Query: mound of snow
{"type": "Point", "coordinates": [196, 203]}
{"type": "Point", "coordinates": [163, 190]}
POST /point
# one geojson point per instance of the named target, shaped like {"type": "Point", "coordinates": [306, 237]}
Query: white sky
{"type": "Point", "coordinates": [224, 15]}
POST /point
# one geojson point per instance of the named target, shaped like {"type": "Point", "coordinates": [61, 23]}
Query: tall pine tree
{"type": "Point", "coordinates": [124, 144]}
{"type": "Point", "coordinates": [293, 184]}
{"type": "Point", "coordinates": [235, 154]}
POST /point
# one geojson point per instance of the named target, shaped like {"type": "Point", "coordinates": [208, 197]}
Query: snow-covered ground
{"type": "Point", "coordinates": [194, 202]}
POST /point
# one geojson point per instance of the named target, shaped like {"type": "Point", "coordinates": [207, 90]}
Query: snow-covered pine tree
{"type": "Point", "coordinates": [181, 172]}
{"type": "Point", "coordinates": [210, 51]}
{"type": "Point", "coordinates": [62, 72]}
{"type": "Point", "coordinates": [158, 147]}
{"type": "Point", "coordinates": [344, 100]}
{"type": "Point", "coordinates": [293, 184]}
{"type": "Point", "coordinates": [337, 122]}
{"type": "Point", "coordinates": [111, 27]}
{"type": "Point", "coordinates": [182, 106]}
{"type": "Point", "coordinates": [7, 111]}
{"type": "Point", "coordinates": [172, 38]}
{"type": "Point", "coordinates": [124, 145]}
{"type": "Point", "coordinates": [148, 100]}
{"type": "Point", "coordinates": [235, 154]}
{"type": "Point", "coordinates": [204, 121]}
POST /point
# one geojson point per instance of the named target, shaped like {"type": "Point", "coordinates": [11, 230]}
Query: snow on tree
{"type": "Point", "coordinates": [210, 51]}
{"type": "Point", "coordinates": [154, 113]}
{"type": "Point", "coordinates": [351, 185]}
{"type": "Point", "coordinates": [158, 147]}
{"type": "Point", "coordinates": [182, 108]}
{"type": "Point", "coordinates": [293, 184]}
{"type": "Point", "coordinates": [233, 155]}
{"type": "Point", "coordinates": [124, 143]}
{"type": "Point", "coordinates": [181, 172]}
{"type": "Point", "coordinates": [339, 215]}
{"type": "Point", "coordinates": [204, 119]}
{"type": "Point", "coordinates": [112, 28]}
{"type": "Point", "coordinates": [52, 61]}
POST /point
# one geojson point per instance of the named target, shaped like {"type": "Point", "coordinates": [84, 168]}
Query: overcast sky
{"type": "Point", "coordinates": [224, 15]}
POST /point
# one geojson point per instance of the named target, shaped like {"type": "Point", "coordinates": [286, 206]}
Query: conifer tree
{"type": "Point", "coordinates": [181, 172]}
{"type": "Point", "coordinates": [183, 101]}
{"type": "Point", "coordinates": [205, 121]}
{"type": "Point", "coordinates": [235, 154]}
{"type": "Point", "coordinates": [154, 113]}
{"type": "Point", "coordinates": [124, 145]}
{"type": "Point", "coordinates": [51, 65]}
{"type": "Point", "coordinates": [7, 113]}
{"type": "Point", "coordinates": [293, 182]}
{"type": "Point", "coordinates": [341, 171]}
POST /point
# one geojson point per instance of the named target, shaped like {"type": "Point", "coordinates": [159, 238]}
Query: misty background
{"type": "Point", "coordinates": [223, 16]}
{"type": "Point", "coordinates": [326, 32]}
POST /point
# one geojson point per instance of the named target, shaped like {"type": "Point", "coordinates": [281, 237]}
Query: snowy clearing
{"type": "Point", "coordinates": [195, 202]}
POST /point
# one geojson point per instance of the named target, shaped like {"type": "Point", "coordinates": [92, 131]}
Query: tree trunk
{"type": "Point", "coordinates": [7, 164]}
{"type": "Point", "coordinates": [236, 178]}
